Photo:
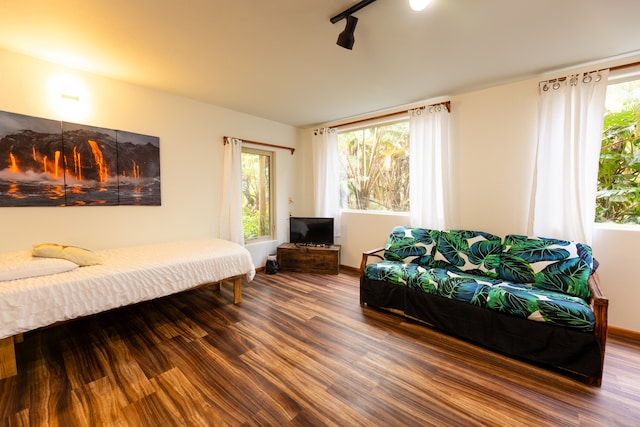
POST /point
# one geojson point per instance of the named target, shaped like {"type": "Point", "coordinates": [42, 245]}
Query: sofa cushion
{"type": "Point", "coordinates": [514, 299]}
{"type": "Point", "coordinates": [552, 264]}
{"type": "Point", "coordinates": [474, 252]}
{"type": "Point", "coordinates": [411, 245]}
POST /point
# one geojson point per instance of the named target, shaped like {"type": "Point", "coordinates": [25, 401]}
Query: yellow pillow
{"type": "Point", "coordinates": [80, 256]}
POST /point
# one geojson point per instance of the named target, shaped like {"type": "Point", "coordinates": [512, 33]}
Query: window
{"type": "Point", "coordinates": [618, 196]}
{"type": "Point", "coordinates": [256, 194]}
{"type": "Point", "coordinates": [374, 167]}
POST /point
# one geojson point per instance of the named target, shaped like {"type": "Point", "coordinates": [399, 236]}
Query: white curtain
{"type": "Point", "coordinates": [231, 207]}
{"type": "Point", "coordinates": [566, 171]}
{"type": "Point", "coordinates": [326, 175]}
{"type": "Point", "coordinates": [429, 167]}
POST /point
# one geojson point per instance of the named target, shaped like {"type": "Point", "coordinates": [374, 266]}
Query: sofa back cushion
{"type": "Point", "coordinates": [474, 252]}
{"type": "Point", "coordinates": [556, 265]}
{"type": "Point", "coordinates": [411, 245]}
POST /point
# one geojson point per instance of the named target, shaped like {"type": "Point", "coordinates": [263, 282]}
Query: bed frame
{"type": "Point", "coordinates": [124, 276]}
{"type": "Point", "coordinates": [9, 367]}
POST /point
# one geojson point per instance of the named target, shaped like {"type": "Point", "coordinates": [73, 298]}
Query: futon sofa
{"type": "Point", "coordinates": [533, 298]}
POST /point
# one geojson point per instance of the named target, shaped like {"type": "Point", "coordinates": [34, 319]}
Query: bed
{"type": "Point", "coordinates": [124, 276]}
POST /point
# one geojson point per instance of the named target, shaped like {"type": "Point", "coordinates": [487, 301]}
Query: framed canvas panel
{"type": "Point", "coordinates": [138, 169]}
{"type": "Point", "coordinates": [91, 165]}
{"type": "Point", "coordinates": [31, 161]}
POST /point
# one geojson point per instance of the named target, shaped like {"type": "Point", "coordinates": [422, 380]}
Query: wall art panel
{"type": "Point", "coordinates": [49, 163]}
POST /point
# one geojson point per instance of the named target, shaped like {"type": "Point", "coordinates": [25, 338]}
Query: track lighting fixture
{"type": "Point", "coordinates": [346, 38]}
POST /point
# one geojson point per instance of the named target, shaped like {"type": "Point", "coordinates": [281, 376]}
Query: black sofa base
{"type": "Point", "coordinates": [573, 353]}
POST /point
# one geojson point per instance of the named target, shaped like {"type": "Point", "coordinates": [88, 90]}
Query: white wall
{"type": "Point", "coordinates": [494, 135]}
{"type": "Point", "coordinates": [190, 135]}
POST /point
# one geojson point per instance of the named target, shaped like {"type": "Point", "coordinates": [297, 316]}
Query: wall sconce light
{"type": "Point", "coordinates": [68, 97]}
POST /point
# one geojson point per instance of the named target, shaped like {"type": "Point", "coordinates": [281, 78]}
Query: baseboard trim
{"type": "Point", "coordinates": [347, 268]}
{"type": "Point", "coordinates": [624, 333]}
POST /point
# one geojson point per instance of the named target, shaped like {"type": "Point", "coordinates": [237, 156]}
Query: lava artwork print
{"type": "Point", "coordinates": [49, 163]}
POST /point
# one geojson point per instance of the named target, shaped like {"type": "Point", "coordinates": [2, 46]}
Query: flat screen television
{"type": "Point", "coordinates": [311, 231]}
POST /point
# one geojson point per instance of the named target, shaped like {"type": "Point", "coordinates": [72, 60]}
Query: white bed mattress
{"type": "Point", "coordinates": [126, 276]}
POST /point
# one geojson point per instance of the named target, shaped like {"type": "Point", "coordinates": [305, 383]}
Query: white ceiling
{"type": "Point", "coordinates": [278, 59]}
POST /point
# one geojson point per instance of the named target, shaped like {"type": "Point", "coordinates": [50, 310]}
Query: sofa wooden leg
{"type": "Point", "coordinates": [8, 367]}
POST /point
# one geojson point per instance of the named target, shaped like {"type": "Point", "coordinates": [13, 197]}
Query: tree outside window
{"type": "Point", "coordinates": [256, 194]}
{"type": "Point", "coordinates": [374, 167]}
{"type": "Point", "coordinates": [618, 196]}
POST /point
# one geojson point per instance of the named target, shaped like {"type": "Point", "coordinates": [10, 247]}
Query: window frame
{"type": "Point", "coordinates": [271, 202]}
{"type": "Point", "coordinates": [367, 125]}
{"type": "Point", "coordinates": [617, 77]}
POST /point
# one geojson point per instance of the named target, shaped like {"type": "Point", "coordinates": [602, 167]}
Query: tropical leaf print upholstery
{"type": "Point", "coordinates": [510, 298]}
{"type": "Point", "coordinates": [468, 251]}
{"type": "Point", "coordinates": [535, 278]}
{"type": "Point", "coordinates": [552, 264]}
{"type": "Point", "coordinates": [411, 245]}
{"type": "Point", "coordinates": [391, 271]}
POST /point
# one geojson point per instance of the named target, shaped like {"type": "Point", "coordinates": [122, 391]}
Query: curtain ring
{"type": "Point", "coordinates": [556, 86]}
{"type": "Point", "coordinates": [574, 80]}
{"type": "Point", "coordinates": [431, 108]}
{"type": "Point", "coordinates": [545, 87]}
{"type": "Point", "coordinates": [598, 78]}
{"type": "Point", "coordinates": [586, 79]}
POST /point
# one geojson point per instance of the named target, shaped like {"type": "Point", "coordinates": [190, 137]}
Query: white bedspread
{"type": "Point", "coordinates": [128, 275]}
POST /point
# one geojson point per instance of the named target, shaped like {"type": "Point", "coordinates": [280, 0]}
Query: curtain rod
{"type": "Point", "coordinates": [447, 105]}
{"type": "Point", "coordinates": [622, 67]}
{"type": "Point", "coordinates": [264, 144]}
{"type": "Point", "coordinates": [616, 68]}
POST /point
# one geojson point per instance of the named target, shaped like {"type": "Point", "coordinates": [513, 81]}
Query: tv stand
{"type": "Point", "coordinates": [309, 258]}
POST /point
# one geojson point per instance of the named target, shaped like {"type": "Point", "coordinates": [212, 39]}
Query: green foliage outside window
{"type": "Point", "coordinates": [256, 198]}
{"type": "Point", "coordinates": [374, 167]}
{"type": "Point", "coordinates": [618, 197]}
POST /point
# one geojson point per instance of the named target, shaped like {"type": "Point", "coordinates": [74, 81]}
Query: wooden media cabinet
{"type": "Point", "coordinates": [322, 259]}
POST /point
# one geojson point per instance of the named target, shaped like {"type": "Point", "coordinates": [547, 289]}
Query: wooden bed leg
{"type": "Point", "coordinates": [217, 285]}
{"type": "Point", "coordinates": [8, 367]}
{"type": "Point", "coordinates": [237, 290]}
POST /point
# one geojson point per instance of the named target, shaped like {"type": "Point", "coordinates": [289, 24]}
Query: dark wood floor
{"type": "Point", "coordinates": [298, 351]}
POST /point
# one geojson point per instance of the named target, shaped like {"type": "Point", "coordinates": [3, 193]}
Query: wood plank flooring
{"type": "Point", "coordinates": [298, 351]}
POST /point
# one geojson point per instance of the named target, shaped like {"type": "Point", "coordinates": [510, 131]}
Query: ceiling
{"type": "Point", "coordinates": [278, 59]}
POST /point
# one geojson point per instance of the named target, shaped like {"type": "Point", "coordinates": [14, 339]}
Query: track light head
{"type": "Point", "coordinates": [346, 38]}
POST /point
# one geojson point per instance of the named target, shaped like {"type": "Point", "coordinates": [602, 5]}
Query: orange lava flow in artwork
{"type": "Point", "coordinates": [57, 161]}
{"type": "Point", "coordinates": [103, 172]}
{"type": "Point", "coordinates": [13, 162]}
